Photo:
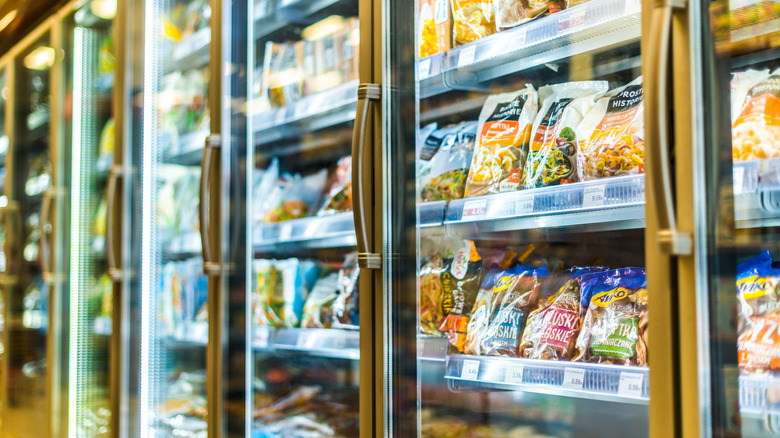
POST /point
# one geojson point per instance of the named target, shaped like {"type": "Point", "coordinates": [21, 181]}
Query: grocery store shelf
{"type": "Point", "coordinates": [446, 112]}
{"type": "Point", "coordinates": [318, 111]}
{"type": "Point", "coordinates": [431, 214]}
{"type": "Point", "coordinates": [266, 19]}
{"type": "Point", "coordinates": [333, 343]}
{"type": "Point", "coordinates": [760, 29]}
{"type": "Point", "coordinates": [604, 204]}
{"type": "Point", "coordinates": [592, 381]}
{"type": "Point", "coordinates": [192, 51]}
{"type": "Point", "coordinates": [187, 149]}
{"type": "Point", "coordinates": [580, 29]}
{"type": "Point", "coordinates": [102, 326]}
{"type": "Point", "coordinates": [753, 391]}
{"type": "Point", "coordinates": [337, 230]}
{"type": "Point", "coordinates": [432, 348]}
{"type": "Point", "coordinates": [183, 246]}
{"type": "Point", "coordinates": [191, 333]}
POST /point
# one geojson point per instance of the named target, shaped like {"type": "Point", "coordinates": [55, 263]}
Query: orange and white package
{"type": "Point", "coordinates": [472, 20]}
{"type": "Point", "coordinates": [755, 133]}
{"type": "Point", "coordinates": [758, 346]}
{"type": "Point", "coordinates": [434, 27]}
{"type": "Point", "coordinates": [612, 134]}
{"type": "Point", "coordinates": [502, 141]}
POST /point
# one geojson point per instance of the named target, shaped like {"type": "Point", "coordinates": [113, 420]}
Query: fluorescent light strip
{"type": "Point", "coordinates": [74, 368]}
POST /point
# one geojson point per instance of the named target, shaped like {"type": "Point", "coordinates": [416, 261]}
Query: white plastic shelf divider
{"type": "Point", "coordinates": [584, 203]}
{"type": "Point", "coordinates": [580, 29]}
{"type": "Point", "coordinates": [333, 343]}
{"type": "Point", "coordinates": [318, 111]}
{"type": "Point", "coordinates": [337, 230]}
{"type": "Point", "coordinates": [572, 379]}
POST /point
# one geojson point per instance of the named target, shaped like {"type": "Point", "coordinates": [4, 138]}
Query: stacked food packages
{"type": "Point", "coordinates": [309, 411]}
{"type": "Point", "coordinates": [755, 115]}
{"type": "Point", "coordinates": [443, 24]}
{"type": "Point", "coordinates": [177, 200]}
{"type": "Point", "coordinates": [503, 303]}
{"type": "Point", "coordinates": [562, 133]}
{"type": "Point", "coordinates": [182, 294]}
{"type": "Point", "coordinates": [326, 57]}
{"type": "Point", "coordinates": [184, 411]}
{"type": "Point", "coordinates": [182, 102]}
{"type": "Point", "coordinates": [284, 196]}
{"type": "Point", "coordinates": [758, 291]}
{"type": "Point", "coordinates": [304, 293]}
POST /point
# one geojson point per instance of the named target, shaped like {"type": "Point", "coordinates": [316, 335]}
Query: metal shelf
{"type": "Point", "coordinates": [432, 348]}
{"type": "Point", "coordinates": [757, 30]}
{"type": "Point", "coordinates": [191, 52]}
{"type": "Point", "coordinates": [318, 111]}
{"type": "Point", "coordinates": [190, 333]}
{"type": "Point", "coordinates": [603, 204]}
{"type": "Point", "coordinates": [187, 149]}
{"type": "Point", "coordinates": [102, 326]}
{"type": "Point", "coordinates": [431, 214]}
{"type": "Point", "coordinates": [584, 28]}
{"type": "Point", "coordinates": [183, 246]}
{"type": "Point", "coordinates": [333, 343]}
{"type": "Point", "coordinates": [337, 230]}
{"type": "Point", "coordinates": [756, 187]}
{"type": "Point", "coordinates": [753, 399]}
{"type": "Point", "coordinates": [616, 383]}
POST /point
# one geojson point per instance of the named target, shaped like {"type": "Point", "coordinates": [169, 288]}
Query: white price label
{"type": "Point", "coordinates": [574, 19]}
{"type": "Point", "coordinates": [261, 337]}
{"type": "Point", "coordinates": [593, 196]}
{"type": "Point", "coordinates": [470, 370]}
{"type": "Point", "coordinates": [525, 205]}
{"type": "Point", "coordinates": [630, 385]}
{"type": "Point", "coordinates": [424, 68]}
{"type": "Point", "coordinates": [739, 180]}
{"type": "Point", "coordinates": [573, 378]}
{"type": "Point", "coordinates": [474, 209]}
{"type": "Point", "coordinates": [514, 374]}
{"type": "Point", "coordinates": [285, 232]}
{"type": "Point", "coordinates": [467, 55]}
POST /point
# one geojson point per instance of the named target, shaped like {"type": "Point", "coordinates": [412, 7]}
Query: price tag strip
{"type": "Point", "coordinates": [467, 55]}
{"type": "Point", "coordinates": [424, 68]}
{"type": "Point", "coordinates": [593, 196]}
{"type": "Point", "coordinates": [470, 370]}
{"type": "Point", "coordinates": [631, 385]}
{"type": "Point", "coordinates": [525, 204]}
{"type": "Point", "coordinates": [514, 374]}
{"type": "Point", "coordinates": [573, 378]}
{"type": "Point", "coordinates": [474, 209]}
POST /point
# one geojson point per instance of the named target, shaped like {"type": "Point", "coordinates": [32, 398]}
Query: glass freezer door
{"type": "Point", "coordinates": [738, 215]}
{"type": "Point", "coordinates": [4, 143]}
{"type": "Point", "coordinates": [517, 270]}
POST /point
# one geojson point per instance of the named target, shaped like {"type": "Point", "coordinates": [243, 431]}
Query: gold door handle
{"type": "Point", "coordinates": [114, 270]}
{"type": "Point", "coordinates": [368, 95]}
{"type": "Point", "coordinates": [45, 228]}
{"type": "Point", "coordinates": [213, 143]}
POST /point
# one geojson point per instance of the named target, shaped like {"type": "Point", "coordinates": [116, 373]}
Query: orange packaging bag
{"type": "Point", "coordinates": [502, 142]}
{"type": "Point", "coordinates": [434, 26]}
{"type": "Point", "coordinates": [472, 20]}
{"type": "Point", "coordinates": [755, 134]}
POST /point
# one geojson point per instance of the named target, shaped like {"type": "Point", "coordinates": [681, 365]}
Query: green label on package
{"type": "Point", "coordinates": [620, 343]}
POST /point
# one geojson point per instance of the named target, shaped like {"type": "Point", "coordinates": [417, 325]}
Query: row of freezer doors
{"type": "Point", "coordinates": [442, 218]}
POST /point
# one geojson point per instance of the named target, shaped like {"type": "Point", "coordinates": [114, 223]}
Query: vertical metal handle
{"type": "Point", "coordinates": [114, 271]}
{"type": "Point", "coordinates": [13, 236]}
{"type": "Point", "coordinates": [659, 169]}
{"type": "Point", "coordinates": [45, 230]}
{"type": "Point", "coordinates": [368, 94]}
{"type": "Point", "coordinates": [212, 145]}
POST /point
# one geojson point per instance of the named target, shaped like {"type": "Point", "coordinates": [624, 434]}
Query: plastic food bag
{"type": "Point", "coordinates": [431, 295]}
{"type": "Point", "coordinates": [755, 133]}
{"type": "Point", "coordinates": [615, 326]}
{"type": "Point", "coordinates": [280, 292]}
{"type": "Point", "coordinates": [265, 183]}
{"type": "Point", "coordinates": [299, 200]}
{"type": "Point", "coordinates": [515, 293]}
{"type": "Point", "coordinates": [480, 314]}
{"type": "Point", "coordinates": [552, 158]}
{"type": "Point", "coordinates": [612, 134]}
{"type": "Point", "coordinates": [283, 76]}
{"type": "Point", "coordinates": [434, 30]}
{"type": "Point", "coordinates": [318, 309]}
{"type": "Point", "coordinates": [551, 331]}
{"type": "Point", "coordinates": [510, 13]}
{"type": "Point", "coordinates": [472, 20]}
{"type": "Point", "coordinates": [758, 287]}
{"type": "Point", "coordinates": [504, 132]}
{"type": "Point", "coordinates": [345, 308]}
{"type": "Point", "coordinates": [449, 167]}
{"type": "Point", "coordinates": [460, 284]}
{"type": "Point", "coordinates": [339, 197]}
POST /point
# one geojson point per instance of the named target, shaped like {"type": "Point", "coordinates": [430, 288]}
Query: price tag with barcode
{"type": "Point", "coordinates": [470, 370]}
{"type": "Point", "coordinates": [593, 196]}
{"type": "Point", "coordinates": [573, 378]}
{"type": "Point", "coordinates": [525, 204]}
{"type": "Point", "coordinates": [474, 209]}
{"type": "Point", "coordinates": [630, 384]}
{"type": "Point", "coordinates": [514, 374]}
{"type": "Point", "coordinates": [467, 55]}
{"type": "Point", "coordinates": [424, 68]}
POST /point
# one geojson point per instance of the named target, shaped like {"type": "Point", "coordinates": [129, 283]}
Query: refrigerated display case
{"type": "Point", "coordinates": [291, 291]}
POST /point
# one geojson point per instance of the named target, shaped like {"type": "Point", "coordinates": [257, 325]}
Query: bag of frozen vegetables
{"type": "Point", "coordinates": [446, 174]}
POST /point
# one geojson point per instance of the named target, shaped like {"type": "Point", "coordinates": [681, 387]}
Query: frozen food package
{"type": "Point", "coordinates": [552, 158]}
{"type": "Point", "coordinates": [502, 142]}
{"type": "Point", "coordinates": [612, 134]}
{"type": "Point", "coordinates": [449, 167]}
{"type": "Point", "coordinates": [758, 289]}
{"type": "Point", "coordinates": [434, 27]}
{"type": "Point", "coordinates": [338, 198]}
{"type": "Point", "coordinates": [480, 314]}
{"type": "Point", "coordinates": [472, 20]}
{"type": "Point", "coordinates": [741, 83]}
{"type": "Point", "coordinates": [552, 329]}
{"type": "Point", "coordinates": [431, 295]}
{"type": "Point", "coordinates": [755, 133]}
{"type": "Point", "coordinates": [299, 199]}
{"type": "Point", "coordinates": [283, 76]}
{"type": "Point", "coordinates": [515, 293]}
{"type": "Point", "coordinates": [430, 139]}
{"type": "Point", "coordinates": [615, 327]}
{"type": "Point", "coordinates": [346, 306]}
{"type": "Point", "coordinates": [280, 291]}
{"type": "Point", "coordinates": [460, 285]}
{"type": "Point", "coordinates": [318, 309]}
{"type": "Point", "coordinates": [510, 13]}
{"type": "Point", "coordinates": [265, 184]}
